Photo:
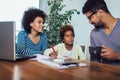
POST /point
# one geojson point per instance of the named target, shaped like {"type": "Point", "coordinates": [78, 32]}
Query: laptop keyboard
{"type": "Point", "coordinates": [23, 57]}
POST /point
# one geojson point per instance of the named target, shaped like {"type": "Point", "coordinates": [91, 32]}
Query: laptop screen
{"type": "Point", "coordinates": [7, 40]}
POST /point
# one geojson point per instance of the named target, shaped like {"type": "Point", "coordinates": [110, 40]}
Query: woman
{"type": "Point", "coordinates": [32, 40]}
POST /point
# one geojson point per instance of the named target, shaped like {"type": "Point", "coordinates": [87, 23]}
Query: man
{"type": "Point", "coordinates": [106, 31]}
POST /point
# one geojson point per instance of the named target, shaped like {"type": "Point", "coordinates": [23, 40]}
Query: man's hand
{"type": "Point", "coordinates": [109, 53]}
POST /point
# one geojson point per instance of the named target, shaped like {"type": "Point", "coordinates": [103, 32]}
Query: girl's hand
{"type": "Point", "coordinates": [53, 55]}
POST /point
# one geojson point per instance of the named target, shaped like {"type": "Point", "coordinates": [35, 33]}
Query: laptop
{"type": "Point", "coordinates": [8, 42]}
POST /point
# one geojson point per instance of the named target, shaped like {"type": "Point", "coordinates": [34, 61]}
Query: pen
{"type": "Point", "coordinates": [53, 49]}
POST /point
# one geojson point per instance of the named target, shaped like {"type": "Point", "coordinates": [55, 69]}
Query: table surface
{"type": "Point", "coordinates": [34, 70]}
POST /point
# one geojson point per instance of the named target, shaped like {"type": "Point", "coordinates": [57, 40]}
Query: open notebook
{"type": "Point", "coordinates": [58, 63]}
{"type": "Point", "coordinates": [7, 42]}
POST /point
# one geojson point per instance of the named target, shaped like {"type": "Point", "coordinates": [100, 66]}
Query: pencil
{"type": "Point", "coordinates": [53, 49]}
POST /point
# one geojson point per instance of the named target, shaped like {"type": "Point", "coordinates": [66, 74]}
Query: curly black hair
{"type": "Point", "coordinates": [93, 5]}
{"type": "Point", "coordinates": [29, 16]}
{"type": "Point", "coordinates": [65, 28]}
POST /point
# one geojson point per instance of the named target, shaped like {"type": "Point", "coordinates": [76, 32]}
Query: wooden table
{"type": "Point", "coordinates": [34, 70]}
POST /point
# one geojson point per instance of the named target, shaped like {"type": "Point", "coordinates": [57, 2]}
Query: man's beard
{"type": "Point", "coordinates": [98, 25]}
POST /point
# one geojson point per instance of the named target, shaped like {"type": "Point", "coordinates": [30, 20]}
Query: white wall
{"type": "Point", "coordinates": [79, 22]}
{"type": "Point", "coordinates": [13, 10]}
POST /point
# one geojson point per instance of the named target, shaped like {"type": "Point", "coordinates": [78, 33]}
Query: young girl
{"type": "Point", "coordinates": [67, 49]}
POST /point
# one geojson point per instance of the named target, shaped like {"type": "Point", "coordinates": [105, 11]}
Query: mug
{"type": "Point", "coordinates": [95, 53]}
